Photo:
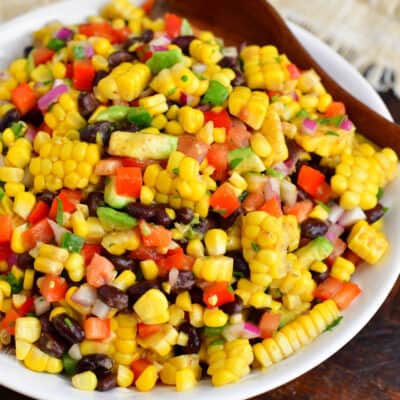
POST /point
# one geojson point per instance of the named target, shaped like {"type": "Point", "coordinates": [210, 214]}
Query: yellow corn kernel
{"type": "Point", "coordinates": [11, 174]}
{"type": "Point", "coordinates": [29, 278]}
{"type": "Point", "coordinates": [79, 224]}
{"type": "Point", "coordinates": [5, 288]}
{"type": "Point", "coordinates": [124, 280]}
{"type": "Point", "coordinates": [22, 349]}
{"type": "Point", "coordinates": [12, 188]}
{"type": "Point", "coordinates": [147, 379]}
{"type": "Point", "coordinates": [8, 137]}
{"type": "Point", "coordinates": [125, 376]}
{"type": "Point", "coordinates": [191, 119]}
{"type": "Point", "coordinates": [174, 128]}
{"type": "Point", "coordinates": [152, 307]}
{"type": "Point", "coordinates": [159, 122]}
{"type": "Point", "coordinates": [93, 347]}
{"type": "Point", "coordinates": [185, 379]}
{"type": "Point", "coordinates": [27, 329]}
{"type": "Point", "coordinates": [183, 301]}
{"type": "Point", "coordinates": [24, 203]}
{"type": "Point", "coordinates": [149, 269]}
{"type": "Point", "coordinates": [75, 266]}
{"type": "Point", "coordinates": [195, 248]}
{"type": "Point", "coordinates": [17, 243]}
{"type": "Point", "coordinates": [102, 46]}
{"type": "Point", "coordinates": [85, 381]}
{"type": "Point", "coordinates": [319, 266]}
{"type": "Point", "coordinates": [96, 230]}
{"type": "Point", "coordinates": [260, 145]}
{"type": "Point", "coordinates": [36, 360]}
{"type": "Point", "coordinates": [155, 105]}
{"type": "Point", "coordinates": [342, 269]}
{"type": "Point", "coordinates": [189, 169]}
{"type": "Point", "coordinates": [59, 70]}
{"type": "Point", "coordinates": [215, 241]}
{"type": "Point", "coordinates": [146, 195]}
{"type": "Point", "coordinates": [100, 63]}
{"type": "Point", "coordinates": [54, 366]}
{"type": "Point", "coordinates": [214, 318]}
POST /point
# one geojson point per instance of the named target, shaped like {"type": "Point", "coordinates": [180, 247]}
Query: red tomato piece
{"type": "Point", "coordinates": [237, 136]}
{"type": "Point", "coordinates": [301, 210]}
{"type": "Point", "coordinates": [138, 366]}
{"type": "Point", "coordinates": [128, 181]}
{"type": "Point", "coordinates": [349, 292]}
{"type": "Point", "coordinates": [134, 162]}
{"type": "Point", "coordinates": [145, 330]}
{"type": "Point", "coordinates": [224, 200]}
{"type": "Point", "coordinates": [27, 307]}
{"type": "Point", "coordinates": [24, 98]}
{"type": "Point", "coordinates": [145, 253]}
{"type": "Point", "coordinates": [42, 55]}
{"type": "Point", "coordinates": [324, 193]}
{"type": "Point", "coordinates": [97, 329]}
{"type": "Point", "coordinates": [339, 247]}
{"type": "Point", "coordinates": [100, 271]}
{"type": "Point", "coordinates": [8, 322]}
{"type": "Point", "coordinates": [102, 29]}
{"type": "Point", "coordinates": [40, 211]}
{"type": "Point", "coordinates": [351, 256]}
{"type": "Point", "coordinates": [192, 147]}
{"type": "Point", "coordinates": [173, 24]}
{"type": "Point", "coordinates": [6, 228]}
{"type": "Point", "coordinates": [218, 294]}
{"type": "Point", "coordinates": [39, 232]}
{"type": "Point", "coordinates": [328, 288]}
{"type": "Point", "coordinates": [272, 207]}
{"type": "Point", "coordinates": [254, 200]}
{"type": "Point", "coordinates": [89, 250]}
{"type": "Point", "coordinates": [217, 156]}
{"type": "Point", "coordinates": [268, 324]}
{"type": "Point", "coordinates": [335, 108]}
{"type": "Point", "coordinates": [83, 75]}
{"type": "Point", "coordinates": [147, 6]}
{"type": "Point", "coordinates": [309, 179]}
{"type": "Point", "coordinates": [220, 119]}
{"type": "Point", "coordinates": [176, 259]}
{"type": "Point", "coordinates": [154, 236]}
{"type": "Point", "coordinates": [53, 288]}
{"type": "Point", "coordinates": [293, 71]}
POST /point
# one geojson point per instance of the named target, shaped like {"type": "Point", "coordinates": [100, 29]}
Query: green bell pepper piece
{"type": "Point", "coordinates": [216, 94]}
{"type": "Point", "coordinates": [164, 59]}
{"type": "Point", "coordinates": [55, 44]}
{"type": "Point", "coordinates": [73, 243]}
{"type": "Point", "coordinates": [113, 114]}
{"type": "Point", "coordinates": [139, 116]}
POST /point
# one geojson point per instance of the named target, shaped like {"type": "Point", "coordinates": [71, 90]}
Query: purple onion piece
{"type": "Point", "coordinates": [51, 96]}
{"type": "Point", "coordinates": [64, 34]}
{"type": "Point", "coordinates": [308, 126]}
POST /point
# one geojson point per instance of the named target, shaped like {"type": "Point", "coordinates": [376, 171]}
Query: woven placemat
{"type": "Point", "coordinates": [365, 32]}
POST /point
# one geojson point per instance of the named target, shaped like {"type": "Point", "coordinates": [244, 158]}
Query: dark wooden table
{"type": "Point", "coordinates": [367, 368]}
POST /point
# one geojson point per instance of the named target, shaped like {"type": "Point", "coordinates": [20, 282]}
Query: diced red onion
{"type": "Point", "coordinates": [160, 43]}
{"type": "Point", "coordinates": [100, 309]}
{"type": "Point", "coordinates": [75, 352]}
{"type": "Point", "coordinates": [41, 305]}
{"type": "Point", "coordinates": [295, 152]}
{"type": "Point", "coordinates": [282, 168]}
{"type": "Point", "coordinates": [30, 133]}
{"type": "Point", "coordinates": [250, 331]}
{"type": "Point", "coordinates": [199, 68]}
{"type": "Point", "coordinates": [295, 96]}
{"type": "Point", "coordinates": [288, 193]}
{"type": "Point", "coordinates": [52, 96]}
{"type": "Point", "coordinates": [173, 276]}
{"type": "Point", "coordinates": [12, 259]}
{"type": "Point", "coordinates": [58, 230]}
{"type": "Point", "coordinates": [352, 216]}
{"type": "Point", "coordinates": [86, 295]}
{"type": "Point", "coordinates": [335, 213]}
{"type": "Point", "coordinates": [272, 188]}
{"type": "Point", "coordinates": [89, 51]}
{"type": "Point", "coordinates": [308, 126]}
{"type": "Point", "coordinates": [64, 34]}
{"type": "Point", "coordinates": [334, 231]}
{"type": "Point", "coordinates": [346, 125]}
{"type": "Point", "coordinates": [230, 51]}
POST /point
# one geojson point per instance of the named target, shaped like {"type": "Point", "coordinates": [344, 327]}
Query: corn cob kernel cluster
{"type": "Point", "coordinates": [205, 49]}
{"type": "Point", "coordinates": [124, 327]}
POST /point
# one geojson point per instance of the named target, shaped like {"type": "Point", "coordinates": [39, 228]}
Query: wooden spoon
{"type": "Point", "coordinates": [257, 22]}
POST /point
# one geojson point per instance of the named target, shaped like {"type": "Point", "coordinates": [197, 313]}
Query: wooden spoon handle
{"type": "Point", "coordinates": [256, 21]}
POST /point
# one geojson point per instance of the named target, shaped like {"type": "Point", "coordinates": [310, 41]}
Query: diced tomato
{"type": "Point", "coordinates": [69, 200]}
{"type": "Point", "coordinates": [145, 330]}
{"type": "Point", "coordinates": [339, 246]}
{"type": "Point", "coordinates": [173, 24]}
{"type": "Point", "coordinates": [254, 200]}
{"type": "Point", "coordinates": [328, 288]}
{"type": "Point", "coordinates": [24, 98]}
{"type": "Point", "coordinates": [97, 329]}
{"type": "Point", "coordinates": [6, 228]}
{"type": "Point", "coordinates": [349, 292]}
{"type": "Point", "coordinates": [218, 294]}
{"type": "Point", "coordinates": [175, 259]}
{"type": "Point", "coordinates": [217, 156]}
{"type": "Point", "coordinates": [268, 324]}
{"type": "Point", "coordinates": [83, 75]}
{"type": "Point", "coordinates": [128, 181]}
{"type": "Point", "coordinates": [293, 71]}
{"type": "Point", "coordinates": [40, 211]}
{"type": "Point", "coordinates": [100, 271]}
{"type": "Point", "coordinates": [154, 236]}
{"type": "Point", "coordinates": [224, 200]}
{"type": "Point", "coordinates": [5, 251]}
{"type": "Point", "coordinates": [39, 232]}
{"type": "Point", "coordinates": [192, 147]}
{"type": "Point", "coordinates": [8, 322]}
{"type": "Point", "coordinates": [351, 256]}
{"type": "Point", "coordinates": [42, 55]}
{"type": "Point", "coordinates": [89, 250]}
{"type": "Point", "coordinates": [272, 207]}
{"type": "Point", "coordinates": [107, 167]}
{"type": "Point", "coordinates": [145, 253]}
{"type": "Point", "coordinates": [220, 119]}
{"type": "Point", "coordinates": [334, 109]}
{"type": "Point", "coordinates": [134, 162]}
{"type": "Point", "coordinates": [301, 210]}
{"type": "Point", "coordinates": [27, 307]}
{"type": "Point", "coordinates": [324, 193]}
{"type": "Point", "coordinates": [102, 29]}
{"type": "Point", "coordinates": [237, 135]}
{"type": "Point", "coordinates": [309, 179]}
{"type": "Point", "coordinates": [53, 288]}
{"type": "Point", "coordinates": [147, 6]}
{"type": "Point", "coordinates": [138, 366]}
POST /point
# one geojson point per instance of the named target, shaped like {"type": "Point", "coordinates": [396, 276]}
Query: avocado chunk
{"type": "Point", "coordinates": [164, 59]}
{"type": "Point", "coordinates": [316, 250]}
{"type": "Point", "coordinates": [112, 198]}
{"type": "Point", "coordinates": [143, 146]}
{"type": "Point", "coordinates": [117, 220]}
{"type": "Point", "coordinates": [245, 160]}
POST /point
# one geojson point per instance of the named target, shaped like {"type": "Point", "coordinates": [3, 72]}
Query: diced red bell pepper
{"type": "Point", "coordinates": [128, 181]}
{"type": "Point", "coordinates": [301, 209]}
{"type": "Point", "coordinates": [154, 235]}
{"type": "Point", "coordinates": [24, 98]}
{"type": "Point", "coordinates": [293, 71]}
{"type": "Point", "coordinates": [217, 156]}
{"type": "Point", "coordinates": [324, 193]}
{"type": "Point", "coordinates": [40, 211]}
{"type": "Point", "coordinates": [220, 119]}
{"type": "Point", "coordinates": [39, 232]}
{"type": "Point", "coordinates": [268, 324]}
{"type": "Point", "coordinates": [138, 366]}
{"type": "Point", "coordinates": [69, 200]}
{"type": "Point", "coordinates": [53, 288]}
{"type": "Point", "coordinates": [6, 228]}
{"type": "Point", "coordinates": [102, 29]}
{"type": "Point", "coordinates": [83, 75]}
{"type": "Point", "coordinates": [134, 162]}
{"type": "Point", "coordinates": [175, 259]}
{"type": "Point", "coordinates": [8, 322]}
{"type": "Point", "coordinates": [97, 329]}
{"type": "Point", "coordinates": [192, 147]}
{"type": "Point", "coordinates": [89, 250]}
{"type": "Point", "coordinates": [173, 24]}
{"type": "Point", "coordinates": [42, 55]}
{"type": "Point", "coordinates": [218, 294]}
{"type": "Point", "coordinates": [145, 330]}
{"type": "Point", "coordinates": [334, 109]}
{"type": "Point", "coordinates": [224, 200]}
{"type": "Point", "coordinates": [272, 207]}
{"type": "Point", "coordinates": [309, 179]}
{"type": "Point", "coordinates": [27, 307]}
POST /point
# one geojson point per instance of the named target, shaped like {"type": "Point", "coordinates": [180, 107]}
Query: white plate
{"type": "Point", "coordinates": [376, 281]}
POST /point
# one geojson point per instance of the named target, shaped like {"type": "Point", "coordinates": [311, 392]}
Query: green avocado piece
{"type": "Point", "coordinates": [112, 198]}
{"type": "Point", "coordinates": [316, 250]}
{"type": "Point", "coordinates": [143, 146]}
{"type": "Point", "coordinates": [114, 219]}
{"type": "Point", "coordinates": [164, 59]}
{"type": "Point", "coordinates": [245, 160]}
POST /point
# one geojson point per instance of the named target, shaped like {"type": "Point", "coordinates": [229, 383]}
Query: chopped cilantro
{"type": "Point", "coordinates": [243, 195]}
{"type": "Point", "coordinates": [230, 289]}
{"type": "Point", "coordinates": [68, 322]}
{"type": "Point", "coordinates": [238, 274]}
{"type": "Point", "coordinates": [1, 193]}
{"type": "Point", "coordinates": [331, 133]}
{"type": "Point", "coordinates": [379, 194]}
{"type": "Point", "coordinates": [274, 173]}
{"type": "Point", "coordinates": [302, 114]}
{"type": "Point", "coordinates": [210, 331]}
{"type": "Point", "coordinates": [255, 246]}
{"type": "Point", "coordinates": [60, 213]}
{"type": "Point", "coordinates": [333, 121]}
{"type": "Point", "coordinates": [184, 78]}
{"type": "Point", "coordinates": [18, 128]}
{"type": "Point", "coordinates": [217, 342]}
{"type": "Point", "coordinates": [176, 171]}
{"type": "Point", "coordinates": [335, 323]}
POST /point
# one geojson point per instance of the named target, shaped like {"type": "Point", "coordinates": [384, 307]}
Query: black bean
{"type": "Point", "coordinates": [184, 215]}
{"type": "Point", "coordinates": [185, 281]}
{"type": "Point", "coordinates": [254, 314]}
{"type": "Point", "coordinates": [119, 57]}
{"type": "Point", "coordinates": [97, 131]}
{"type": "Point", "coordinates": [122, 262]}
{"type": "Point", "coordinates": [207, 223]}
{"type": "Point", "coordinates": [313, 227]}
{"type": "Point", "coordinates": [68, 328]}
{"type": "Point", "coordinates": [8, 118]}
{"type": "Point", "coordinates": [226, 223]}
{"type": "Point", "coordinates": [228, 62]}
{"type": "Point", "coordinates": [141, 211]}
{"type": "Point", "coordinates": [97, 363]}
{"type": "Point", "coordinates": [25, 261]}
{"type": "Point", "coordinates": [98, 77]}
{"type": "Point", "coordinates": [27, 50]}
{"type": "Point", "coordinates": [240, 265]}
{"type": "Point", "coordinates": [256, 340]}
{"type": "Point", "coordinates": [194, 341]}
{"type": "Point", "coordinates": [113, 297]}
{"type": "Point", "coordinates": [87, 104]}
{"type": "Point", "coordinates": [51, 344]}
{"type": "Point", "coordinates": [45, 324]}
{"type": "Point", "coordinates": [46, 196]}
{"type": "Point", "coordinates": [196, 295]}
{"type": "Point", "coordinates": [161, 217]}
{"type": "Point", "coordinates": [126, 126]}
{"type": "Point", "coordinates": [139, 289]}
{"type": "Point", "coordinates": [319, 276]}
{"type": "Point", "coordinates": [184, 42]}
{"type": "Point", "coordinates": [34, 117]}
{"type": "Point", "coordinates": [94, 201]}
{"type": "Point", "coordinates": [147, 35]}
{"type": "Point", "coordinates": [375, 213]}
{"type": "Point", "coordinates": [106, 382]}
{"type": "Point", "coordinates": [234, 307]}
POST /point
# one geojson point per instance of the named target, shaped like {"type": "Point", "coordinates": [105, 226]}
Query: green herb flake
{"type": "Point", "coordinates": [18, 128]}
{"type": "Point", "coordinates": [275, 98]}
{"type": "Point", "coordinates": [235, 162]}
{"type": "Point", "coordinates": [379, 194]}
{"type": "Point", "coordinates": [333, 121]}
{"type": "Point", "coordinates": [184, 78]}
{"type": "Point", "coordinates": [238, 274]}
{"type": "Point", "coordinates": [60, 212]}
{"type": "Point", "coordinates": [56, 44]}
{"type": "Point", "coordinates": [68, 322]}
{"type": "Point", "coordinates": [16, 284]}
{"type": "Point", "coordinates": [302, 114]}
{"type": "Point", "coordinates": [335, 323]}
{"type": "Point", "coordinates": [385, 209]}
{"type": "Point", "coordinates": [73, 243]}
{"type": "Point", "coordinates": [255, 247]}
{"type": "Point", "coordinates": [324, 206]}
{"type": "Point", "coordinates": [176, 171]}
{"type": "Point", "coordinates": [210, 331]}
{"type": "Point", "coordinates": [221, 211]}
{"type": "Point", "coordinates": [79, 52]}
{"type": "Point", "coordinates": [243, 195]}
{"type": "Point", "coordinates": [331, 133]}
{"type": "Point", "coordinates": [230, 289]}
{"type": "Point", "coordinates": [2, 193]}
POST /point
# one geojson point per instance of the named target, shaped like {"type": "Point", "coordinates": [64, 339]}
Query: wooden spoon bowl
{"type": "Point", "coordinates": [257, 22]}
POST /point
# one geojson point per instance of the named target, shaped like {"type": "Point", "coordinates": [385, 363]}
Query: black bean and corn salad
{"type": "Point", "coordinates": [172, 208]}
